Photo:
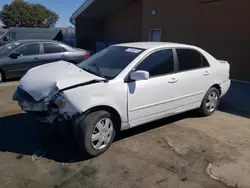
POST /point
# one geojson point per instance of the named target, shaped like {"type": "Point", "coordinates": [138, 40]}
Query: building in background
{"type": "Point", "coordinates": [219, 26]}
{"type": "Point", "coordinates": [66, 35]}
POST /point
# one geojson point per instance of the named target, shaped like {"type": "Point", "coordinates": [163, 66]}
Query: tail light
{"type": "Point", "coordinates": [86, 55]}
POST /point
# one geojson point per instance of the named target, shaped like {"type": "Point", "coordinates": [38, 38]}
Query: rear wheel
{"type": "Point", "coordinates": [95, 133]}
{"type": "Point", "coordinates": [210, 102]}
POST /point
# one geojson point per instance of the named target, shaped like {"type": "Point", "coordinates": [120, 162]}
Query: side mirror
{"type": "Point", "coordinates": [5, 38]}
{"type": "Point", "coordinates": [139, 75]}
{"type": "Point", "coordinates": [15, 55]}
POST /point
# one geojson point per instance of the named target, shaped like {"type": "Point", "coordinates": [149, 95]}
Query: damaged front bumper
{"type": "Point", "coordinates": [46, 110]}
{"type": "Point", "coordinates": [45, 116]}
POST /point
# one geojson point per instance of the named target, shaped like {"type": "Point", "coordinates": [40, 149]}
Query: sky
{"type": "Point", "coordinates": [64, 8]}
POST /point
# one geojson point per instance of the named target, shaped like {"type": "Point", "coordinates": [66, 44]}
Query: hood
{"type": "Point", "coordinates": [45, 80]}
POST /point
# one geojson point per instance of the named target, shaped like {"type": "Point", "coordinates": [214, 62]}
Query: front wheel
{"type": "Point", "coordinates": [1, 76]}
{"type": "Point", "coordinates": [95, 133]}
{"type": "Point", "coordinates": [210, 102]}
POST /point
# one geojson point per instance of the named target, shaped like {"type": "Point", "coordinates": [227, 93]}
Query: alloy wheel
{"type": "Point", "coordinates": [102, 133]}
{"type": "Point", "coordinates": [212, 101]}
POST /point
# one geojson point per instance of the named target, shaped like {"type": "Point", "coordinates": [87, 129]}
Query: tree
{"type": "Point", "coordinates": [22, 14]}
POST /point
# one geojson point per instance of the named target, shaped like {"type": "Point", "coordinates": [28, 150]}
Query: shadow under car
{"type": "Point", "coordinates": [23, 135]}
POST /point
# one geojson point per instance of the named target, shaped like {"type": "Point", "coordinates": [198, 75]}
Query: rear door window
{"type": "Point", "coordinates": [51, 48]}
{"type": "Point", "coordinates": [204, 61]}
{"type": "Point", "coordinates": [190, 59]}
{"type": "Point", "coordinates": [63, 49]}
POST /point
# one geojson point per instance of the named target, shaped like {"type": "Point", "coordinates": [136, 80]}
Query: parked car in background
{"type": "Point", "coordinates": [124, 86]}
{"type": "Point", "coordinates": [18, 57]}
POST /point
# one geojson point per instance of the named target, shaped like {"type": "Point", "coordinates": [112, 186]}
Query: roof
{"type": "Point", "coordinates": [32, 40]}
{"type": "Point", "coordinates": [148, 45]}
{"type": "Point", "coordinates": [85, 5]}
{"type": "Point", "coordinates": [97, 9]}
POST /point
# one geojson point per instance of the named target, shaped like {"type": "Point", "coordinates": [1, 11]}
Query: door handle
{"type": "Point", "coordinates": [173, 80]}
{"type": "Point", "coordinates": [64, 56]}
{"type": "Point", "coordinates": [206, 73]}
{"type": "Point", "coordinates": [36, 58]}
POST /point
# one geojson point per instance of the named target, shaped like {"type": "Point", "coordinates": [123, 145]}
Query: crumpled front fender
{"type": "Point", "coordinates": [81, 99]}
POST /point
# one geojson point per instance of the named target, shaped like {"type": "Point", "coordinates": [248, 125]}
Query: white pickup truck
{"type": "Point", "coordinates": [124, 86]}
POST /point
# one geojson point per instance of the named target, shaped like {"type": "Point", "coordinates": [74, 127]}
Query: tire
{"type": "Point", "coordinates": [89, 127]}
{"type": "Point", "coordinates": [1, 76]}
{"type": "Point", "coordinates": [209, 106]}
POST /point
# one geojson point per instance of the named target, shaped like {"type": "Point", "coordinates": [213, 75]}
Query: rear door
{"type": "Point", "coordinates": [30, 56]}
{"type": "Point", "coordinates": [73, 55]}
{"type": "Point", "coordinates": [194, 77]}
{"type": "Point", "coordinates": [53, 52]}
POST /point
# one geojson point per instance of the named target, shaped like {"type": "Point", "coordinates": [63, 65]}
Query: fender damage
{"type": "Point", "coordinates": [41, 90]}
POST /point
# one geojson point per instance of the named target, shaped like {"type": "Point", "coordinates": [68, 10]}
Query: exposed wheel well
{"type": "Point", "coordinates": [217, 86]}
{"type": "Point", "coordinates": [114, 114]}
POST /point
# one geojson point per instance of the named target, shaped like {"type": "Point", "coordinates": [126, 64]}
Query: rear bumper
{"type": "Point", "coordinates": [225, 87]}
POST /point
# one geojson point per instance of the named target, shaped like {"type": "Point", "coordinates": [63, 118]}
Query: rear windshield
{"type": "Point", "coordinates": [8, 47]}
{"type": "Point", "coordinates": [109, 62]}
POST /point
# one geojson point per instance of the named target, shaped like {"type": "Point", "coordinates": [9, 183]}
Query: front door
{"type": "Point", "coordinates": [153, 98]}
{"type": "Point", "coordinates": [29, 58]}
{"type": "Point", "coordinates": [194, 77]}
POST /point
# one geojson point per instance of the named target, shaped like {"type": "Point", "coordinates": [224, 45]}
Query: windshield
{"type": "Point", "coordinates": [109, 62]}
{"type": "Point", "coordinates": [8, 47]}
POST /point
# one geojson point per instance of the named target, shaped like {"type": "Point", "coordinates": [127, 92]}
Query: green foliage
{"type": "Point", "coordinates": [23, 14]}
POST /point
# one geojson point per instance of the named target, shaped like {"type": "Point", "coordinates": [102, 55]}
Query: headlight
{"type": "Point", "coordinates": [60, 101]}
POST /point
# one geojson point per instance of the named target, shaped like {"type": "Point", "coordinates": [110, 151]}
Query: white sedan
{"type": "Point", "coordinates": [124, 86]}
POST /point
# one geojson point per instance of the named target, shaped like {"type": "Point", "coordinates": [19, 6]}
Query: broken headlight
{"type": "Point", "coordinates": [59, 100]}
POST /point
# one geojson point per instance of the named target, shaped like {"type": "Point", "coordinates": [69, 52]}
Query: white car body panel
{"type": "Point", "coordinates": [136, 102]}
{"type": "Point", "coordinates": [81, 103]}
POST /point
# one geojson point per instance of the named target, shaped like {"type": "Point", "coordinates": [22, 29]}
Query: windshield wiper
{"type": "Point", "coordinates": [98, 69]}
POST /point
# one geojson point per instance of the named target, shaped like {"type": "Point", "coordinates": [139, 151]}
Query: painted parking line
{"type": "Point", "coordinates": [7, 84]}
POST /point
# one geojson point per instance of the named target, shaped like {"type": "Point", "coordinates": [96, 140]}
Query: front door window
{"type": "Point", "coordinates": [147, 99]}
{"type": "Point", "coordinates": [29, 49]}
